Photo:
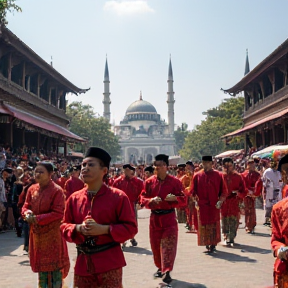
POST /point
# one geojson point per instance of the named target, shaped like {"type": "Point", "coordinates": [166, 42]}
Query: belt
{"type": "Point", "coordinates": [162, 212]}
{"type": "Point", "coordinates": [83, 249]}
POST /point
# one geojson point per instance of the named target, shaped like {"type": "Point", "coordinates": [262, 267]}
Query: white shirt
{"type": "Point", "coordinates": [272, 181]}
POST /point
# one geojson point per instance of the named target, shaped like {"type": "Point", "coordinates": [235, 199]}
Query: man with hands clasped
{"type": "Point", "coordinates": [97, 219]}
{"type": "Point", "coordinates": [230, 209]}
{"type": "Point", "coordinates": [162, 193]}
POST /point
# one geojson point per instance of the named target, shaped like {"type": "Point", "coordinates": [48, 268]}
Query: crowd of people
{"type": "Point", "coordinates": [94, 205]}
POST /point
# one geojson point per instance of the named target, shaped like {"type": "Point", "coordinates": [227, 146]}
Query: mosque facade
{"type": "Point", "coordinates": [142, 132]}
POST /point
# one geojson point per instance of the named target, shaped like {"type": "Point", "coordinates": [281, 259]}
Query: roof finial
{"type": "Point", "coordinates": [247, 66]}
{"type": "Point", "coordinates": [51, 61]}
{"type": "Point", "coordinates": [141, 95]}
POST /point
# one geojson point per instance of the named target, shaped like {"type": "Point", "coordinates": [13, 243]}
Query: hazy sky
{"type": "Point", "coordinates": [206, 38]}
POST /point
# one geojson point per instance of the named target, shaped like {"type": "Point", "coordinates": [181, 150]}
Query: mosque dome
{"type": "Point", "coordinates": [141, 106]}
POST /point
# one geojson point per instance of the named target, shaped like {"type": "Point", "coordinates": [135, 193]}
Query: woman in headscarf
{"type": "Point", "coordinates": [43, 210]}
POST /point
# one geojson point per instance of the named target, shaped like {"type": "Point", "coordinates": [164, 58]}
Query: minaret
{"type": "Point", "coordinates": [247, 67]}
{"type": "Point", "coordinates": [106, 100]}
{"type": "Point", "coordinates": [170, 100]}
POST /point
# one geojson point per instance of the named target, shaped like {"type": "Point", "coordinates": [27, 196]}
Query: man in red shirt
{"type": "Point", "coordinates": [279, 240]}
{"type": "Point", "coordinates": [230, 209]}
{"type": "Point", "coordinates": [162, 193]}
{"type": "Point", "coordinates": [97, 219]}
{"type": "Point", "coordinates": [254, 186]}
{"type": "Point", "coordinates": [148, 172]}
{"type": "Point", "coordinates": [73, 184]}
{"type": "Point", "coordinates": [132, 186]}
{"type": "Point", "coordinates": [210, 191]}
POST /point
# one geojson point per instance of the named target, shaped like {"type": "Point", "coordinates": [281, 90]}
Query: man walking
{"type": "Point", "coordinates": [162, 193]}
{"type": "Point", "coordinates": [210, 191]}
{"type": "Point", "coordinates": [230, 209]}
{"type": "Point", "coordinates": [132, 186]}
{"type": "Point", "coordinates": [254, 186]}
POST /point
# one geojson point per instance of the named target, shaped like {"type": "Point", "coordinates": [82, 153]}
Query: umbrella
{"type": "Point", "coordinates": [228, 153]}
{"type": "Point", "coordinates": [274, 151]}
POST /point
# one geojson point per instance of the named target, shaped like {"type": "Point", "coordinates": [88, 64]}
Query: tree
{"type": "Point", "coordinates": [87, 124]}
{"type": "Point", "coordinates": [206, 137]}
{"type": "Point", "coordinates": [180, 134]}
{"type": "Point", "coordinates": [7, 6]}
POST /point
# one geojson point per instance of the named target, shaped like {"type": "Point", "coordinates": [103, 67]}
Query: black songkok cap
{"type": "Point", "coordinates": [149, 169]}
{"type": "Point", "coordinates": [283, 160]}
{"type": "Point", "coordinates": [8, 170]}
{"type": "Point", "coordinates": [162, 157]}
{"type": "Point", "coordinates": [130, 167]}
{"type": "Point", "coordinates": [182, 165]}
{"type": "Point", "coordinates": [48, 166]}
{"type": "Point", "coordinates": [190, 163]}
{"type": "Point", "coordinates": [100, 154]}
{"type": "Point", "coordinates": [207, 158]}
{"type": "Point", "coordinates": [227, 160]}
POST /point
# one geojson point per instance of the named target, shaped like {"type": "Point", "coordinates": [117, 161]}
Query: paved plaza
{"type": "Point", "coordinates": [248, 264]}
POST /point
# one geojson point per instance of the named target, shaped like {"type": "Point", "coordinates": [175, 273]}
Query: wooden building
{"type": "Point", "coordinates": [32, 98]}
{"type": "Point", "coordinates": [265, 88]}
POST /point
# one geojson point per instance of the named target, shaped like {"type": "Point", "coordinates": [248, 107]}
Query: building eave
{"type": "Point", "coordinates": [276, 55]}
{"type": "Point", "coordinates": [11, 39]}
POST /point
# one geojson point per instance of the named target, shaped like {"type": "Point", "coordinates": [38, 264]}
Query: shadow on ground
{"type": "Point", "coordinates": [181, 284]}
{"type": "Point", "coordinates": [231, 257]}
{"type": "Point", "coordinates": [261, 234]}
{"type": "Point", "coordinates": [251, 249]}
{"type": "Point", "coordinates": [24, 263]}
{"type": "Point", "coordinates": [137, 250]}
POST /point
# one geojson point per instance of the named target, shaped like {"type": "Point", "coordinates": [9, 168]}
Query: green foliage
{"type": "Point", "coordinates": [7, 6]}
{"type": "Point", "coordinates": [88, 125]}
{"type": "Point", "coordinates": [205, 139]}
{"type": "Point", "coordinates": [180, 134]}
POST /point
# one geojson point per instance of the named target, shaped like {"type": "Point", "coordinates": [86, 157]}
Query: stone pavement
{"type": "Point", "coordinates": [247, 264]}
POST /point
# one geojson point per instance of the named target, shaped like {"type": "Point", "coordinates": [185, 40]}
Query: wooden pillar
{"type": "Point", "coordinates": [273, 134]}
{"type": "Point", "coordinates": [9, 66]}
{"type": "Point", "coordinates": [65, 149]}
{"type": "Point", "coordinates": [38, 85]}
{"type": "Point", "coordinates": [50, 89]}
{"type": "Point", "coordinates": [263, 137]}
{"type": "Point", "coordinates": [285, 133]}
{"type": "Point", "coordinates": [262, 90]}
{"type": "Point", "coordinates": [271, 77]}
{"type": "Point", "coordinates": [23, 74]}
{"type": "Point", "coordinates": [28, 83]}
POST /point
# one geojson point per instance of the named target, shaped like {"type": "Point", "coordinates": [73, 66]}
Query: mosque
{"type": "Point", "coordinates": [143, 133]}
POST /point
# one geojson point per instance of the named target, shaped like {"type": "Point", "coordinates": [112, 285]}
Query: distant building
{"type": "Point", "coordinates": [142, 132]}
{"type": "Point", "coordinates": [265, 88]}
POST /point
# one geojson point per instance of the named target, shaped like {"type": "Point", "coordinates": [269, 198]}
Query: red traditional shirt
{"type": "Point", "coordinates": [235, 183]}
{"type": "Point", "coordinates": [132, 187]}
{"type": "Point", "coordinates": [47, 248]}
{"type": "Point", "coordinates": [155, 187]}
{"type": "Point", "coordinates": [110, 206]}
{"type": "Point", "coordinates": [209, 187]}
{"type": "Point", "coordinates": [253, 182]}
{"type": "Point", "coordinates": [279, 237]}
{"type": "Point", "coordinates": [72, 185]}
{"type": "Point", "coordinates": [61, 181]}
{"type": "Point", "coordinates": [284, 191]}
